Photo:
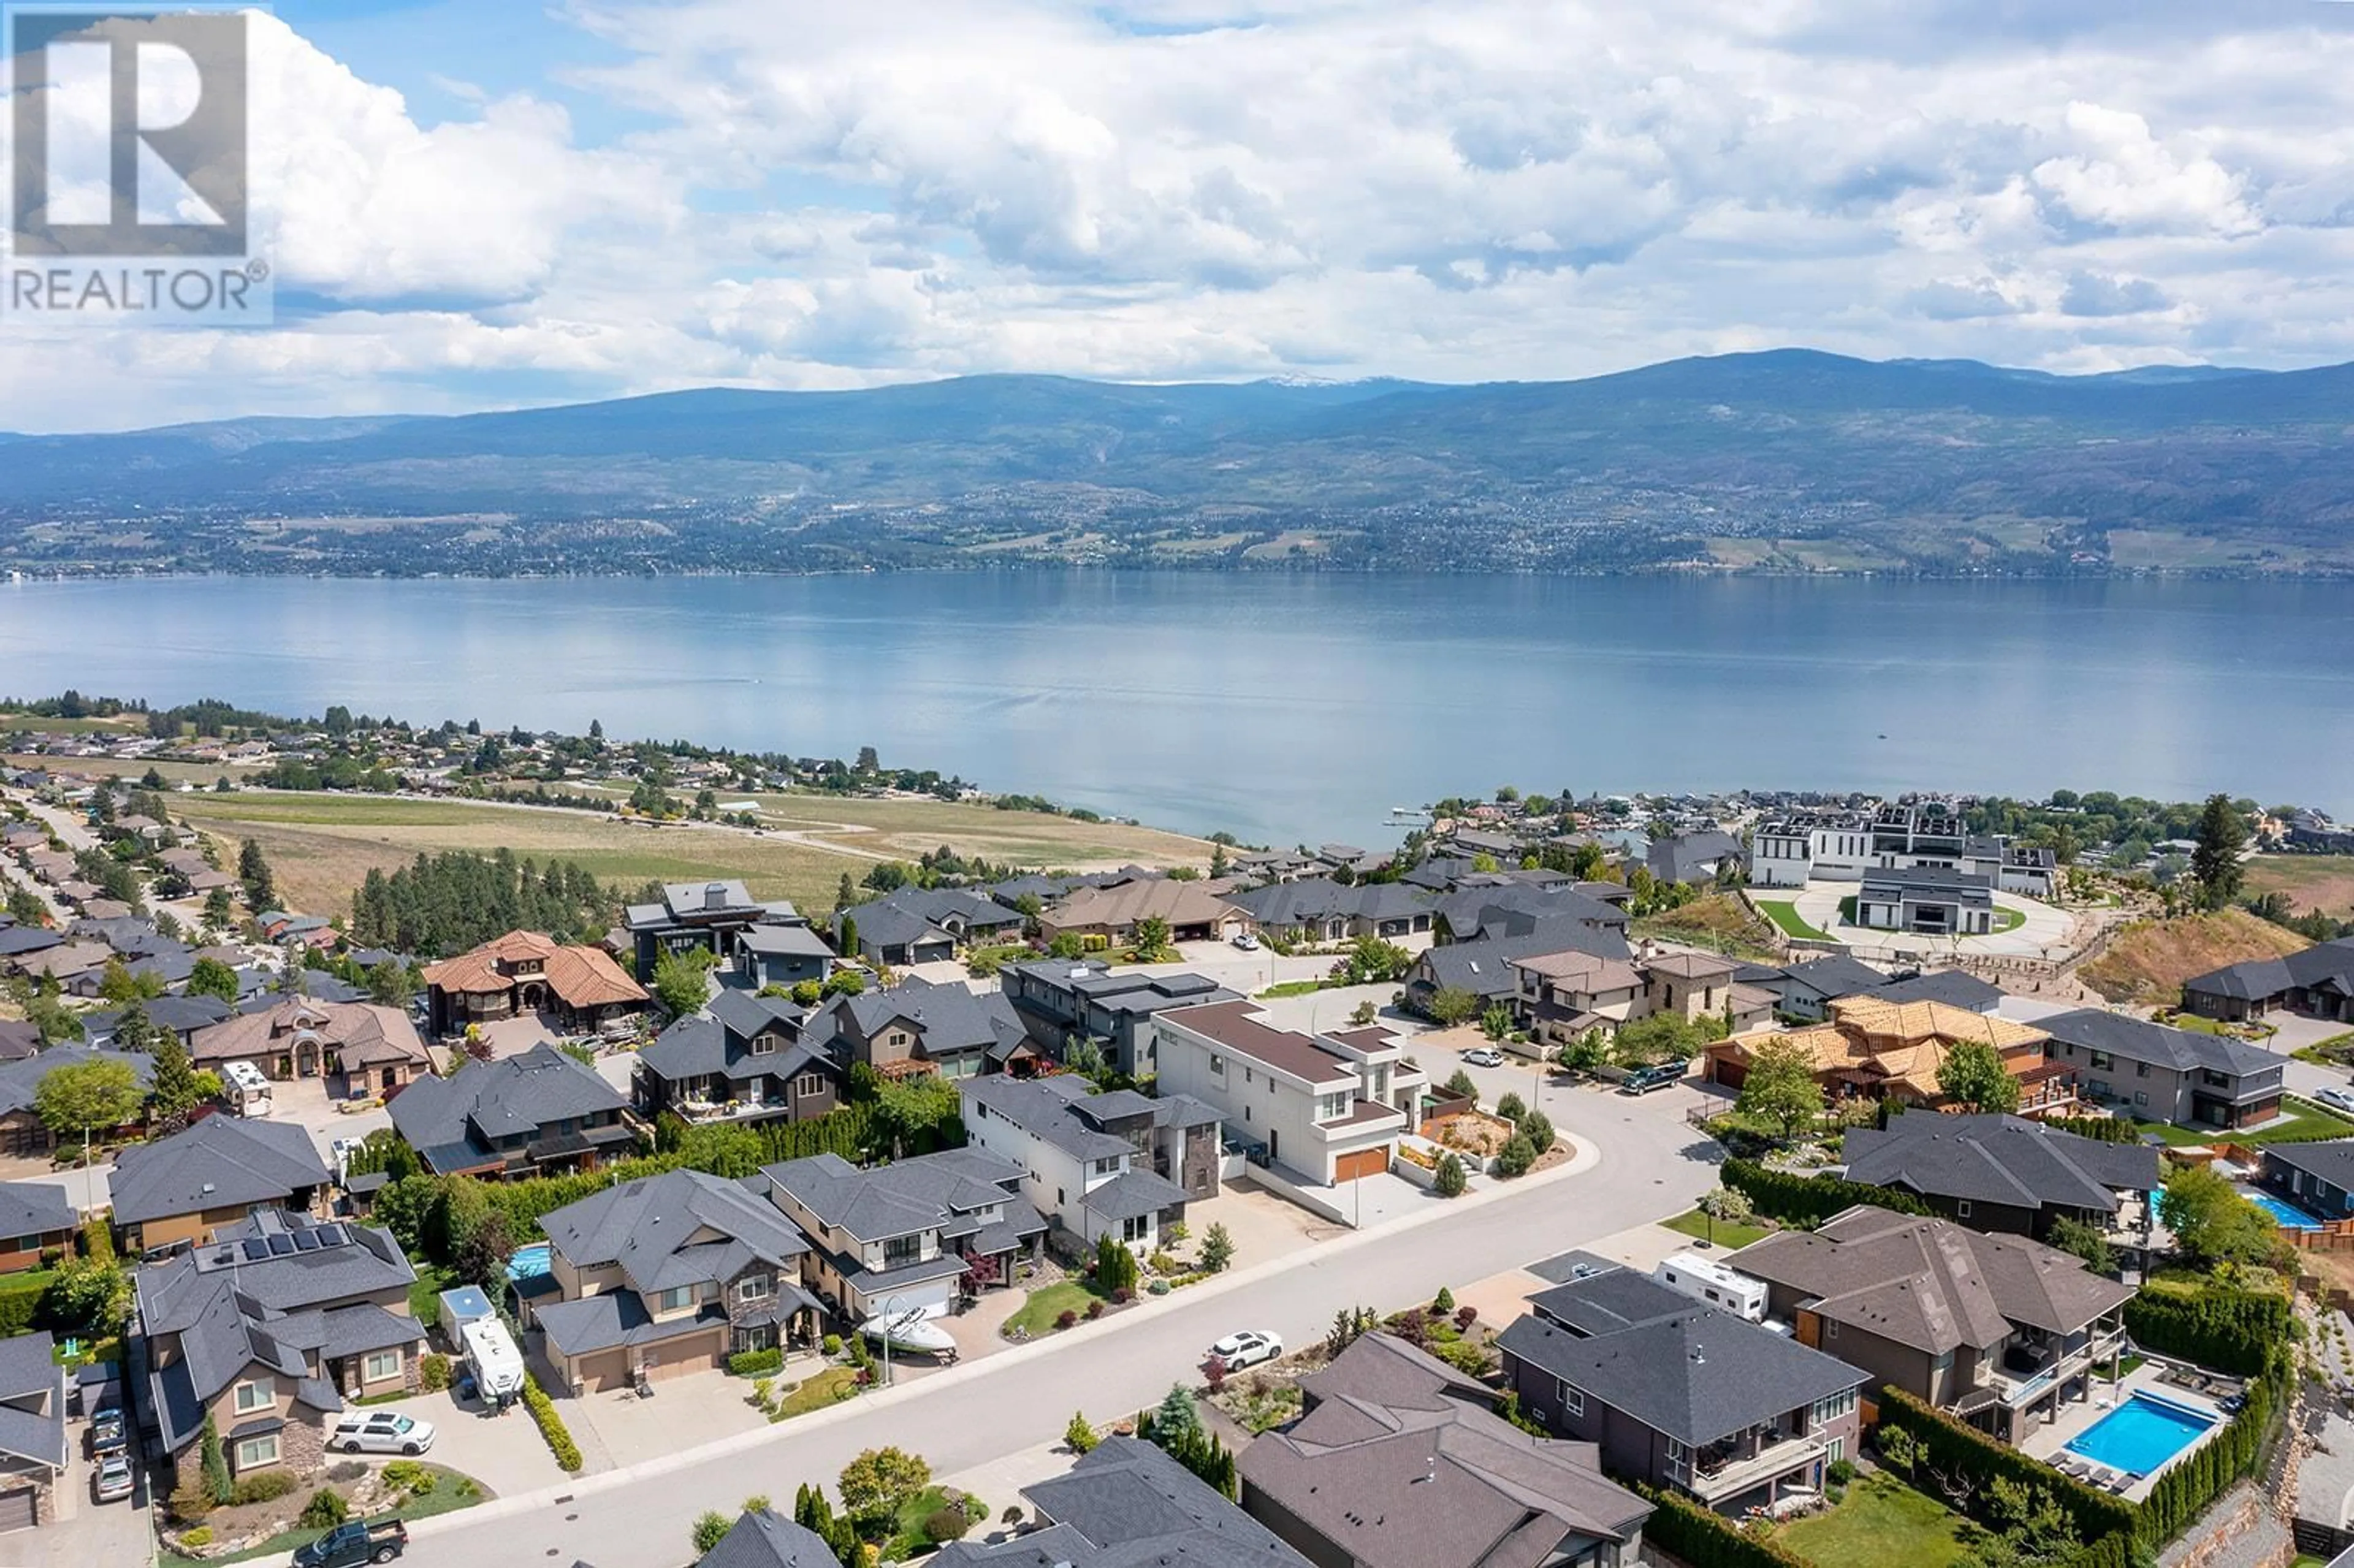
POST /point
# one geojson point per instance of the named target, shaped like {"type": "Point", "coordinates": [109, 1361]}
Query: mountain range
{"type": "Point", "coordinates": [1787, 460]}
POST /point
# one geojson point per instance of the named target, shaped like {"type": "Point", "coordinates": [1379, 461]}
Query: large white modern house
{"type": "Point", "coordinates": [1325, 1107]}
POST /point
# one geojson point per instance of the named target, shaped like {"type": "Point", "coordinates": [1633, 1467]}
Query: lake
{"type": "Point", "coordinates": [1285, 708]}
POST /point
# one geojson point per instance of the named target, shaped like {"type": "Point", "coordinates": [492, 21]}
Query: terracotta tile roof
{"type": "Point", "coordinates": [581, 976]}
{"type": "Point", "coordinates": [1900, 1045]}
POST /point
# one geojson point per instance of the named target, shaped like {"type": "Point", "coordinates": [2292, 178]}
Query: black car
{"type": "Point", "coordinates": [107, 1435]}
{"type": "Point", "coordinates": [1658, 1075]}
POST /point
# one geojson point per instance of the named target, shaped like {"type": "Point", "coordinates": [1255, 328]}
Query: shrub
{"type": "Point", "coordinates": [1465, 1316]}
{"type": "Point", "coordinates": [200, 1536]}
{"type": "Point", "coordinates": [944, 1525]}
{"type": "Point", "coordinates": [1065, 1319]}
{"type": "Point", "coordinates": [1079, 1436]}
{"type": "Point", "coordinates": [1122, 1297]}
{"type": "Point", "coordinates": [192, 1502]}
{"type": "Point", "coordinates": [551, 1426]}
{"type": "Point", "coordinates": [831, 1345]}
{"type": "Point", "coordinates": [1443, 1303]}
{"type": "Point", "coordinates": [1511, 1108]}
{"type": "Point", "coordinates": [1961, 1455]}
{"type": "Point", "coordinates": [1095, 1310]}
{"type": "Point", "coordinates": [1448, 1180]}
{"type": "Point", "coordinates": [1537, 1127]}
{"type": "Point", "coordinates": [1707, 1538]}
{"type": "Point", "coordinates": [1158, 1287]}
{"type": "Point", "coordinates": [261, 1486]}
{"type": "Point", "coordinates": [432, 1371]}
{"type": "Point", "coordinates": [2230, 1331]}
{"type": "Point", "coordinates": [345, 1471]}
{"type": "Point", "coordinates": [755, 1363]}
{"type": "Point", "coordinates": [1842, 1472]}
{"type": "Point", "coordinates": [1516, 1157]}
{"type": "Point", "coordinates": [710, 1528]}
{"type": "Point", "coordinates": [325, 1510]}
{"type": "Point", "coordinates": [1809, 1200]}
{"type": "Point", "coordinates": [406, 1475]}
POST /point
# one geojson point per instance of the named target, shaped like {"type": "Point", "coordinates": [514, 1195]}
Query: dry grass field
{"type": "Point", "coordinates": [2151, 959]}
{"type": "Point", "coordinates": [320, 846]}
{"type": "Point", "coordinates": [2324, 881]}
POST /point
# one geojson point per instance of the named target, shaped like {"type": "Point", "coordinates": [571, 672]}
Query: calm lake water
{"type": "Point", "coordinates": [1286, 708]}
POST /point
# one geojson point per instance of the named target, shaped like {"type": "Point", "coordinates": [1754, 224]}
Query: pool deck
{"type": "Point", "coordinates": [2045, 1442]}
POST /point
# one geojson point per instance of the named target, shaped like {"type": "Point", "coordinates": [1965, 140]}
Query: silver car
{"type": "Point", "coordinates": [113, 1482]}
{"type": "Point", "coordinates": [381, 1432]}
{"type": "Point", "coordinates": [2337, 1099]}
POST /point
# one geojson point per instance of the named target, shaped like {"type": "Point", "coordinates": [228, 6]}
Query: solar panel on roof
{"type": "Point", "coordinates": [305, 1241]}
{"type": "Point", "coordinates": [253, 1249]}
{"type": "Point", "coordinates": [282, 1246]}
{"type": "Point", "coordinates": [332, 1235]}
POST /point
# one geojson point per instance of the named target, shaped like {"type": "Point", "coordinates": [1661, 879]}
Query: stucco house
{"type": "Point", "coordinates": [1325, 1107]}
{"type": "Point", "coordinates": [184, 1188]}
{"type": "Point", "coordinates": [522, 973]}
{"type": "Point", "coordinates": [1119, 1164]}
{"type": "Point", "coordinates": [905, 1232]}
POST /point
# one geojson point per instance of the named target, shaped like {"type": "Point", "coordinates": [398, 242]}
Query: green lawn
{"type": "Point", "coordinates": [911, 1541]}
{"type": "Point", "coordinates": [2006, 919]}
{"type": "Point", "coordinates": [1047, 1303]}
{"type": "Point", "coordinates": [817, 1392]}
{"type": "Point", "coordinates": [1881, 1521]}
{"type": "Point", "coordinates": [1785, 914]}
{"type": "Point", "coordinates": [1693, 1223]}
{"type": "Point", "coordinates": [1292, 988]}
{"type": "Point", "coordinates": [2306, 1123]}
{"type": "Point", "coordinates": [425, 1296]}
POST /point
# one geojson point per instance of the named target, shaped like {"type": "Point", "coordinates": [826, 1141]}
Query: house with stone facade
{"type": "Point", "coordinates": [907, 1231]}
{"type": "Point", "coordinates": [581, 989]}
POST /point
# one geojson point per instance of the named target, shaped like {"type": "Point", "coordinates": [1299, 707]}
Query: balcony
{"type": "Point", "coordinates": [1711, 1481]}
{"type": "Point", "coordinates": [2017, 1385]}
{"type": "Point", "coordinates": [697, 1111]}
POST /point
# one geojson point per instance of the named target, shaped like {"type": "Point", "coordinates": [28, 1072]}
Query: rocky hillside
{"type": "Point", "coordinates": [2150, 958]}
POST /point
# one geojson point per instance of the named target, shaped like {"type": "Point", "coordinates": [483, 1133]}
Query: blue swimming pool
{"type": "Point", "coordinates": [528, 1262]}
{"type": "Point", "coordinates": [2290, 1216]}
{"type": "Point", "coordinates": [2140, 1434]}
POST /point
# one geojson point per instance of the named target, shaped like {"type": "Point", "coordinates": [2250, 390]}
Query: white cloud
{"type": "Point", "coordinates": [829, 195]}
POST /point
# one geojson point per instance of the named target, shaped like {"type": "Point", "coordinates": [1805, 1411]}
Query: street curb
{"type": "Point", "coordinates": [1585, 1158]}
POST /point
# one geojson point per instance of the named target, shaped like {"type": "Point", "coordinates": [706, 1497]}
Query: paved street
{"type": "Point", "coordinates": [981, 1413]}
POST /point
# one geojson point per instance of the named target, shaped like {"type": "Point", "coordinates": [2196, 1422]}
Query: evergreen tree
{"type": "Point", "coordinates": [173, 1091]}
{"type": "Point", "coordinates": [2223, 835]}
{"type": "Point", "coordinates": [253, 870]}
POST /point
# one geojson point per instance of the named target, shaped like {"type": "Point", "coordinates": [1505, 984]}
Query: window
{"type": "Point", "coordinates": [1332, 1108]}
{"type": "Point", "coordinates": [1831, 1329]}
{"type": "Point", "coordinates": [1136, 1230]}
{"type": "Point", "coordinates": [252, 1451]}
{"type": "Point", "coordinates": [253, 1396]}
{"type": "Point", "coordinates": [1217, 1065]}
{"type": "Point", "coordinates": [1835, 1450]}
{"type": "Point", "coordinates": [1572, 1400]}
{"type": "Point", "coordinates": [2141, 1069]}
{"type": "Point", "coordinates": [2103, 1061]}
{"type": "Point", "coordinates": [809, 1083]}
{"type": "Point", "coordinates": [2141, 1096]}
{"type": "Point", "coordinates": [755, 1287]}
{"type": "Point", "coordinates": [901, 1250]}
{"type": "Point", "coordinates": [1962, 1209]}
{"type": "Point", "coordinates": [763, 1043]}
{"type": "Point", "coordinates": [677, 1297]}
{"type": "Point", "coordinates": [381, 1365]}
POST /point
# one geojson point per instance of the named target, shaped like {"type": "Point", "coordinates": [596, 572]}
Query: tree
{"type": "Point", "coordinates": [86, 1298]}
{"type": "Point", "coordinates": [1511, 1108]}
{"type": "Point", "coordinates": [710, 1529]}
{"type": "Point", "coordinates": [2222, 833]}
{"type": "Point", "coordinates": [25, 908]}
{"type": "Point", "coordinates": [1659, 1038]}
{"type": "Point", "coordinates": [679, 983]}
{"type": "Point", "coordinates": [1461, 1085]}
{"type": "Point", "coordinates": [389, 984]}
{"type": "Point", "coordinates": [481, 1258]}
{"type": "Point", "coordinates": [1152, 943]}
{"type": "Point", "coordinates": [1727, 1206]}
{"type": "Point", "coordinates": [174, 1090]}
{"type": "Point", "coordinates": [2085, 1241]}
{"type": "Point", "coordinates": [877, 1483]}
{"type": "Point", "coordinates": [1495, 1021]}
{"type": "Point", "coordinates": [133, 1031]}
{"type": "Point", "coordinates": [1369, 960]}
{"type": "Point", "coordinates": [210, 977]}
{"type": "Point", "coordinates": [1176, 1419]}
{"type": "Point", "coordinates": [1217, 1248]}
{"type": "Point", "coordinates": [1452, 1004]}
{"type": "Point", "coordinates": [1517, 1155]}
{"type": "Point", "coordinates": [1537, 1127]}
{"type": "Point", "coordinates": [1584, 1054]}
{"type": "Point", "coordinates": [1067, 945]}
{"type": "Point", "coordinates": [1115, 1264]}
{"type": "Point", "coordinates": [2214, 1226]}
{"type": "Point", "coordinates": [1973, 1075]}
{"type": "Point", "coordinates": [1449, 1179]}
{"type": "Point", "coordinates": [1079, 1436]}
{"type": "Point", "coordinates": [1363, 1013]}
{"type": "Point", "coordinates": [117, 984]}
{"type": "Point", "coordinates": [253, 870]}
{"type": "Point", "coordinates": [86, 1098]}
{"type": "Point", "coordinates": [1780, 1085]}
{"type": "Point", "coordinates": [218, 910]}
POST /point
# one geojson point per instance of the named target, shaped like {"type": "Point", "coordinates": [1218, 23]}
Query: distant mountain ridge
{"type": "Point", "coordinates": [1789, 460]}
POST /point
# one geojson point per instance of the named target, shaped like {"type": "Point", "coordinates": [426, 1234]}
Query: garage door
{"type": "Point", "coordinates": [675, 1361]}
{"type": "Point", "coordinates": [17, 1510]}
{"type": "Point", "coordinates": [603, 1372]}
{"type": "Point", "coordinates": [1364, 1162]}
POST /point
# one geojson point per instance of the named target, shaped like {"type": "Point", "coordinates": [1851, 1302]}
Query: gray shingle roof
{"type": "Point", "coordinates": [1133, 1194]}
{"type": "Point", "coordinates": [1999, 1159]}
{"type": "Point", "coordinates": [28, 1367]}
{"type": "Point", "coordinates": [784, 941]}
{"type": "Point", "coordinates": [221, 1163]}
{"type": "Point", "coordinates": [1283, 904]}
{"type": "Point", "coordinates": [613, 1318]}
{"type": "Point", "coordinates": [650, 1226]}
{"type": "Point", "coordinates": [2139, 1040]}
{"type": "Point", "coordinates": [905, 1197]}
{"type": "Point", "coordinates": [766, 1539]}
{"type": "Point", "coordinates": [1128, 1505]}
{"type": "Point", "coordinates": [1485, 968]}
{"type": "Point", "coordinates": [34, 1208]}
{"type": "Point", "coordinates": [492, 1099]}
{"type": "Point", "coordinates": [1955, 988]}
{"type": "Point", "coordinates": [1047, 1108]}
{"type": "Point", "coordinates": [2264, 978]}
{"type": "Point", "coordinates": [946, 1018]}
{"type": "Point", "coordinates": [281, 1263]}
{"type": "Point", "coordinates": [1837, 975]}
{"type": "Point", "coordinates": [20, 1080]}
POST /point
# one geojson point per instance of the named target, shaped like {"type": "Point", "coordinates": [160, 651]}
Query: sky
{"type": "Point", "coordinates": [476, 204]}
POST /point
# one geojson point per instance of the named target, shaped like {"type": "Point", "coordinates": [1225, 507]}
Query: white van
{"type": "Point", "coordinates": [246, 1090]}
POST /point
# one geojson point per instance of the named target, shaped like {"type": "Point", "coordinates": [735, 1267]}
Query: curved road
{"type": "Point", "coordinates": [1650, 1166]}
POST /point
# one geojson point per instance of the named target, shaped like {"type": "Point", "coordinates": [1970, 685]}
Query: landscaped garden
{"type": "Point", "coordinates": [1042, 1311]}
{"type": "Point", "coordinates": [270, 1512]}
{"type": "Point", "coordinates": [2304, 1122]}
{"type": "Point", "coordinates": [1880, 1521]}
{"type": "Point", "coordinates": [1788, 921]}
{"type": "Point", "coordinates": [1726, 1233]}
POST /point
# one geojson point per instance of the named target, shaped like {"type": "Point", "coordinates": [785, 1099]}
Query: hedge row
{"type": "Point", "coordinates": [551, 1426]}
{"type": "Point", "coordinates": [19, 1310]}
{"type": "Point", "coordinates": [755, 1363]}
{"type": "Point", "coordinates": [2099, 1128]}
{"type": "Point", "coordinates": [1956, 1449]}
{"type": "Point", "coordinates": [2187, 1491]}
{"type": "Point", "coordinates": [2114, 1550]}
{"type": "Point", "coordinates": [2230, 1331]}
{"type": "Point", "coordinates": [1809, 1199]}
{"type": "Point", "coordinates": [1706, 1539]}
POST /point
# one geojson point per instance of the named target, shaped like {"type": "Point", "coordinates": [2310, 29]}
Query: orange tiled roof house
{"type": "Point", "coordinates": [1893, 1050]}
{"type": "Point", "coordinates": [522, 973]}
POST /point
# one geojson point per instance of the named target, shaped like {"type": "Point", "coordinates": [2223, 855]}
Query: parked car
{"type": "Point", "coordinates": [2337, 1099]}
{"type": "Point", "coordinates": [361, 1541]}
{"type": "Point", "coordinates": [1484, 1056]}
{"type": "Point", "coordinates": [106, 1432]}
{"type": "Point", "coordinates": [1247, 1348]}
{"type": "Point", "coordinates": [113, 1482]}
{"type": "Point", "coordinates": [1658, 1075]}
{"type": "Point", "coordinates": [1246, 941]}
{"type": "Point", "coordinates": [381, 1432]}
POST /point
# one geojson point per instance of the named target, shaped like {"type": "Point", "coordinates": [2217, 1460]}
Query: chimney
{"type": "Point", "coordinates": [714, 896]}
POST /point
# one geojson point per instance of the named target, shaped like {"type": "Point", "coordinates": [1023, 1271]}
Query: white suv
{"type": "Point", "coordinates": [381, 1432]}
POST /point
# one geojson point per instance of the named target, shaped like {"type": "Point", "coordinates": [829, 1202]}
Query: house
{"type": "Point", "coordinates": [1955, 988]}
{"type": "Point", "coordinates": [1321, 910]}
{"type": "Point", "coordinates": [1696, 986]}
{"type": "Point", "coordinates": [918, 1026]}
{"type": "Point", "coordinates": [184, 1188]}
{"type": "Point", "coordinates": [537, 1114]}
{"type": "Point", "coordinates": [2317, 1176]}
{"type": "Point", "coordinates": [1489, 908]}
{"type": "Point", "coordinates": [59, 961]}
{"type": "Point", "coordinates": [36, 1225]}
{"type": "Point", "coordinates": [1397, 1460]}
{"type": "Point", "coordinates": [2005, 1173]}
{"type": "Point", "coordinates": [1807, 989]}
{"type": "Point", "coordinates": [1062, 1000]}
{"type": "Point", "coordinates": [1676, 1393]}
{"type": "Point", "coordinates": [1105, 916]}
{"type": "Point", "coordinates": [20, 1038]}
{"type": "Point", "coordinates": [741, 1060]}
{"type": "Point", "coordinates": [763, 1538]}
{"type": "Point", "coordinates": [1483, 966]}
{"type": "Point", "coordinates": [19, 941]}
{"type": "Point", "coordinates": [579, 989]}
{"type": "Point", "coordinates": [33, 1456]}
{"type": "Point", "coordinates": [2317, 982]}
{"type": "Point", "coordinates": [1325, 1107]}
{"type": "Point", "coordinates": [706, 915]}
{"type": "Point", "coordinates": [1695, 857]}
{"type": "Point", "coordinates": [363, 1049]}
{"type": "Point", "coordinates": [1995, 1331]}
{"type": "Point", "coordinates": [909, 1232]}
{"type": "Point", "coordinates": [922, 925]}
{"type": "Point", "coordinates": [269, 1329]}
{"type": "Point", "coordinates": [1562, 995]}
{"type": "Point", "coordinates": [1926, 900]}
{"type": "Point", "coordinates": [1790, 852]}
{"type": "Point", "coordinates": [1125, 1504]}
{"type": "Point", "coordinates": [1117, 1163]}
{"type": "Point", "coordinates": [185, 1016]}
{"type": "Point", "coordinates": [2159, 1074]}
{"type": "Point", "coordinates": [1886, 1050]}
{"type": "Point", "coordinates": [781, 956]}
{"type": "Point", "coordinates": [670, 1274]}
{"type": "Point", "coordinates": [22, 1132]}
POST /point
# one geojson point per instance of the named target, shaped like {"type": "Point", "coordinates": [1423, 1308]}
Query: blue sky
{"type": "Point", "coordinates": [474, 205]}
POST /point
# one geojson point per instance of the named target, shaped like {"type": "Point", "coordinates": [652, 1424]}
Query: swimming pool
{"type": "Point", "coordinates": [2140, 1434]}
{"type": "Point", "coordinates": [528, 1262]}
{"type": "Point", "coordinates": [2290, 1216]}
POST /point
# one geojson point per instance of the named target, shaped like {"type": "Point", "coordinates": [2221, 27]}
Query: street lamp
{"type": "Point", "coordinates": [889, 1303]}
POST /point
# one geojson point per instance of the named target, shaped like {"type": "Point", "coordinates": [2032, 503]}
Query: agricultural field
{"type": "Point", "coordinates": [321, 845]}
{"type": "Point", "coordinates": [2323, 882]}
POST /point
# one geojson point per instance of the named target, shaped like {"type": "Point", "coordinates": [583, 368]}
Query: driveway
{"type": "Point", "coordinates": [685, 1412]}
{"type": "Point", "coordinates": [2047, 932]}
{"type": "Point", "coordinates": [506, 1453]}
{"type": "Point", "coordinates": [80, 1531]}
